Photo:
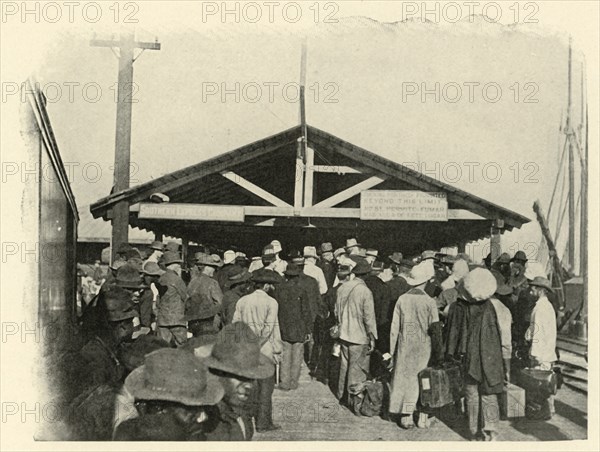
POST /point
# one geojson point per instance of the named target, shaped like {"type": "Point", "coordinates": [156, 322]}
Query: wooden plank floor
{"type": "Point", "coordinates": [312, 413]}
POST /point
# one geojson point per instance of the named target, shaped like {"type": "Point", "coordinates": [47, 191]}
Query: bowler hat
{"type": "Point", "coordinates": [205, 309]}
{"type": "Point", "coordinates": [152, 269]}
{"type": "Point", "coordinates": [396, 257]}
{"type": "Point", "coordinates": [129, 277]}
{"type": "Point", "coordinates": [540, 281]}
{"type": "Point", "coordinates": [265, 276]}
{"type": "Point", "coordinates": [292, 270]}
{"type": "Point", "coordinates": [118, 304]}
{"type": "Point", "coordinates": [156, 245]}
{"type": "Point", "coordinates": [176, 376]}
{"type": "Point", "coordinates": [237, 351]}
{"type": "Point", "coordinates": [326, 247]}
{"type": "Point", "coordinates": [519, 256]}
{"type": "Point", "coordinates": [420, 274]}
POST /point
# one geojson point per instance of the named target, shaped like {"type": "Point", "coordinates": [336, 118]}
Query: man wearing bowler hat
{"type": "Point", "coordinates": [541, 334]}
{"type": "Point", "coordinates": [170, 319]}
{"type": "Point", "coordinates": [355, 313]}
{"type": "Point", "coordinates": [259, 311]}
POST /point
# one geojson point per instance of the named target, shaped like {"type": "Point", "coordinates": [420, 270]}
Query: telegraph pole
{"type": "Point", "coordinates": [569, 132]}
{"type": "Point", "coordinates": [120, 213]}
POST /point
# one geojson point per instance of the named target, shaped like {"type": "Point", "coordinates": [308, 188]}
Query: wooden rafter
{"type": "Point", "coordinates": [350, 192]}
{"type": "Point", "coordinates": [254, 189]}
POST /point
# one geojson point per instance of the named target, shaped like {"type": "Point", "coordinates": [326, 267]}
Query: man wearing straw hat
{"type": "Point", "coordinates": [170, 319]}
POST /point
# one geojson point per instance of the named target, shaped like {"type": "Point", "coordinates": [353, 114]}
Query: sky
{"type": "Point", "coordinates": [476, 105]}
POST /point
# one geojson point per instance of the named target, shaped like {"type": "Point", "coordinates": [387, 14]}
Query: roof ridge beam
{"type": "Point", "coordinates": [350, 192]}
{"type": "Point", "coordinates": [254, 189]}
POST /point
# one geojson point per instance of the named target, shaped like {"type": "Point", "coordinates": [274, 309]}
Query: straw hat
{"type": "Point", "coordinates": [420, 274]}
{"type": "Point", "coordinates": [229, 257]}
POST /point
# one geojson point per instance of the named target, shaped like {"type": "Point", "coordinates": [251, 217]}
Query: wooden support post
{"type": "Point", "coordinates": [120, 217]}
{"type": "Point", "coordinates": [299, 180]}
{"type": "Point", "coordinates": [495, 239]}
{"type": "Point", "coordinates": [185, 243]}
{"type": "Point", "coordinates": [309, 177]}
{"type": "Point", "coordinates": [158, 237]}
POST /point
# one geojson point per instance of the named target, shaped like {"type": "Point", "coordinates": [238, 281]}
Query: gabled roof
{"type": "Point", "coordinates": [263, 161]}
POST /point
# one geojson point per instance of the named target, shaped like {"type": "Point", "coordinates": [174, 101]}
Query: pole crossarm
{"type": "Point", "coordinates": [254, 189]}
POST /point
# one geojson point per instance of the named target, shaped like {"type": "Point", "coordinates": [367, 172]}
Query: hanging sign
{"type": "Point", "coordinates": [199, 212]}
{"type": "Point", "coordinates": [403, 205]}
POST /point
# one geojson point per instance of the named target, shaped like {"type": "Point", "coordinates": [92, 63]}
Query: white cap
{"type": "Point", "coordinates": [276, 245]}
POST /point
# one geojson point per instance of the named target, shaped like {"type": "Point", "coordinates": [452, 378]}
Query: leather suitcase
{"type": "Point", "coordinates": [512, 402]}
{"type": "Point", "coordinates": [537, 381]}
{"type": "Point", "coordinates": [439, 387]}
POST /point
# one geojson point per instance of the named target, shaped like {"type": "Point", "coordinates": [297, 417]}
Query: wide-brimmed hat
{"type": "Point", "coordinates": [504, 259]}
{"type": "Point", "coordinates": [428, 254]}
{"type": "Point", "coordinates": [238, 278]}
{"type": "Point", "coordinates": [228, 257]}
{"type": "Point", "coordinates": [520, 256]}
{"type": "Point", "coordinates": [172, 246]}
{"type": "Point", "coordinates": [118, 304]}
{"type": "Point", "coordinates": [540, 281]}
{"type": "Point", "coordinates": [396, 257]}
{"type": "Point", "coordinates": [344, 270]}
{"type": "Point", "coordinates": [362, 266]}
{"type": "Point", "coordinates": [310, 251]}
{"type": "Point", "coordinates": [156, 245]}
{"type": "Point", "coordinates": [129, 277]}
{"type": "Point", "coordinates": [326, 247]}
{"type": "Point", "coordinates": [268, 254]}
{"type": "Point", "coordinates": [420, 274]}
{"type": "Point", "coordinates": [377, 266]}
{"type": "Point", "coordinates": [152, 269]}
{"type": "Point", "coordinates": [200, 311]}
{"type": "Point", "coordinates": [137, 263]}
{"type": "Point", "coordinates": [172, 257]}
{"type": "Point", "coordinates": [211, 260]}
{"type": "Point", "coordinates": [118, 263]}
{"type": "Point", "coordinates": [340, 251]}
{"type": "Point", "coordinates": [265, 276]}
{"type": "Point", "coordinates": [480, 284]}
{"type": "Point", "coordinates": [292, 270]}
{"type": "Point", "coordinates": [237, 351]}
{"type": "Point", "coordinates": [176, 376]}
{"type": "Point", "coordinates": [351, 243]}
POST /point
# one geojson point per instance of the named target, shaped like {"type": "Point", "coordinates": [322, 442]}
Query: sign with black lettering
{"type": "Point", "coordinates": [403, 205]}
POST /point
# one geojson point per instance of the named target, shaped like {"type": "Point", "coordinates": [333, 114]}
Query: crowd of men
{"type": "Point", "coordinates": [168, 360]}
